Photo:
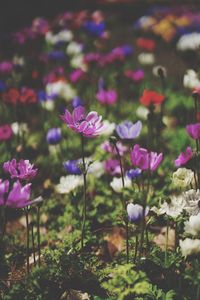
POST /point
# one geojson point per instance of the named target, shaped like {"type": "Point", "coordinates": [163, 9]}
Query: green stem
{"type": "Point", "coordinates": [136, 247]}
{"type": "Point", "coordinates": [198, 293]}
{"type": "Point", "coordinates": [166, 243]}
{"type": "Point", "coordinates": [38, 234]}
{"type": "Point", "coordinates": [27, 240]}
{"type": "Point", "coordinates": [123, 203]}
{"type": "Point", "coordinates": [33, 244]}
{"type": "Point", "coordinates": [84, 192]}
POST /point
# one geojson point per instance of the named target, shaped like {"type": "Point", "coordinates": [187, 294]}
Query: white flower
{"type": "Point", "coordinates": [192, 199]}
{"type": "Point", "coordinates": [142, 112]}
{"type": "Point", "coordinates": [19, 128]}
{"type": "Point", "coordinates": [74, 48]}
{"type": "Point", "coordinates": [61, 89]}
{"type": "Point", "coordinates": [183, 177]}
{"type": "Point", "coordinates": [193, 225]}
{"type": "Point", "coordinates": [189, 246]}
{"type": "Point", "coordinates": [18, 60]}
{"type": "Point", "coordinates": [116, 184]}
{"type": "Point", "coordinates": [48, 105]}
{"type": "Point", "coordinates": [96, 169]}
{"type": "Point", "coordinates": [191, 80]}
{"type": "Point", "coordinates": [173, 208]}
{"type": "Point", "coordinates": [78, 62]}
{"type": "Point", "coordinates": [157, 70]}
{"type": "Point", "coordinates": [62, 36]}
{"type": "Point", "coordinates": [69, 183]}
{"type": "Point", "coordinates": [146, 58]}
{"type": "Point", "coordinates": [190, 41]}
{"type": "Point", "coordinates": [108, 128]}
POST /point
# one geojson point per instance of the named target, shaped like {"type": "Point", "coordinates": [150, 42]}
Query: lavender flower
{"type": "Point", "coordinates": [128, 130]}
{"type": "Point", "coordinates": [54, 136]}
{"type": "Point", "coordinates": [71, 167]}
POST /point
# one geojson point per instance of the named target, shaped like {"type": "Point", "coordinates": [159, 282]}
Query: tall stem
{"type": "Point", "coordinates": [38, 234]}
{"type": "Point", "coordinates": [166, 242]}
{"type": "Point", "coordinates": [27, 240]}
{"type": "Point", "coordinates": [124, 204]}
{"type": "Point", "coordinates": [33, 244]}
{"type": "Point", "coordinates": [84, 192]}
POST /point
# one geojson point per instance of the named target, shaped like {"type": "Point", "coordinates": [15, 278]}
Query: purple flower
{"type": "Point", "coordinates": [54, 136]}
{"type": "Point", "coordinates": [194, 130]}
{"type": "Point", "coordinates": [89, 125]}
{"type": "Point", "coordinates": [128, 130]}
{"type": "Point", "coordinates": [133, 173]}
{"type": "Point", "coordinates": [184, 157]}
{"type": "Point", "coordinates": [77, 101]}
{"type": "Point", "coordinates": [22, 170]}
{"type": "Point", "coordinates": [135, 212]}
{"type": "Point", "coordinates": [71, 166]}
{"type": "Point", "coordinates": [76, 75]}
{"type": "Point", "coordinates": [145, 160]}
{"type": "Point", "coordinates": [112, 166]}
{"type": "Point", "coordinates": [6, 67]}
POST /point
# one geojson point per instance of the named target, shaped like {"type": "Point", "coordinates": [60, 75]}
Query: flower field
{"type": "Point", "coordinates": [100, 156]}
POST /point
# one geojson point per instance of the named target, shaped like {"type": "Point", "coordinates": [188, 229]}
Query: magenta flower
{"type": "Point", "coordinates": [145, 160]}
{"type": "Point", "coordinates": [107, 96]}
{"type": "Point", "coordinates": [19, 196]}
{"type": "Point", "coordinates": [112, 166]}
{"type": "Point", "coordinates": [194, 130]}
{"type": "Point", "coordinates": [184, 157]}
{"type": "Point", "coordinates": [6, 132]}
{"type": "Point", "coordinates": [22, 170]}
{"type": "Point", "coordinates": [89, 125]}
{"type": "Point", "coordinates": [76, 75]}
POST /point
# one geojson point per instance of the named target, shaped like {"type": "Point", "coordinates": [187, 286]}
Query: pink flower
{"type": "Point", "coordinates": [19, 196]}
{"type": "Point", "coordinates": [89, 125]}
{"type": "Point", "coordinates": [145, 160]}
{"type": "Point", "coordinates": [112, 167]}
{"type": "Point", "coordinates": [184, 157]}
{"type": "Point", "coordinates": [5, 132]}
{"type": "Point", "coordinates": [22, 170]}
{"type": "Point", "coordinates": [110, 148]}
{"type": "Point", "coordinates": [76, 75]}
{"type": "Point", "coordinates": [194, 130]}
{"type": "Point", "coordinates": [107, 96]}
{"type": "Point", "coordinates": [136, 76]}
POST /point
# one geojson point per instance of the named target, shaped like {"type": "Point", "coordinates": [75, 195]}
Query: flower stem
{"type": "Point", "coordinates": [124, 204]}
{"type": "Point", "coordinates": [27, 241]}
{"type": "Point", "coordinates": [136, 247]}
{"type": "Point", "coordinates": [33, 244]}
{"type": "Point", "coordinates": [166, 243]}
{"type": "Point", "coordinates": [84, 192]}
{"type": "Point", "coordinates": [38, 234]}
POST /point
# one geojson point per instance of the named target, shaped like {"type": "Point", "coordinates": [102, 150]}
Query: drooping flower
{"type": "Point", "coordinates": [192, 226]}
{"type": "Point", "coordinates": [22, 170]}
{"type": "Point", "coordinates": [151, 97]}
{"type": "Point", "coordinates": [189, 247]}
{"type": "Point", "coordinates": [135, 212]}
{"type": "Point", "coordinates": [87, 125]}
{"type": "Point", "coordinates": [194, 130]}
{"type": "Point", "coordinates": [54, 136]}
{"type": "Point", "coordinates": [183, 177]}
{"type": "Point", "coordinates": [6, 132]}
{"type": "Point", "coordinates": [128, 130]}
{"type": "Point", "coordinates": [145, 160]}
{"type": "Point", "coordinates": [184, 157]}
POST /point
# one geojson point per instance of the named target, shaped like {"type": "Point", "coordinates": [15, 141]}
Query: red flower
{"type": "Point", "coordinates": [151, 97]}
{"type": "Point", "coordinates": [27, 96]}
{"type": "Point", "coordinates": [146, 44]}
{"type": "Point", "coordinates": [11, 96]}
